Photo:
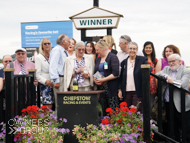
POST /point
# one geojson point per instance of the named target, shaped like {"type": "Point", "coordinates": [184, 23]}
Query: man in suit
{"type": "Point", "coordinates": [176, 72]}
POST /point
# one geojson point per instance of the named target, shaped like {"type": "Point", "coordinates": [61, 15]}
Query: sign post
{"type": "Point", "coordinates": [78, 108]}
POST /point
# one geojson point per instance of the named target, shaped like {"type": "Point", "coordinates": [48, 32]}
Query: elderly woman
{"type": "Point", "coordinates": [168, 50]}
{"type": "Point", "coordinates": [83, 65]}
{"type": "Point", "coordinates": [107, 64]}
{"type": "Point", "coordinates": [42, 72]}
{"type": "Point", "coordinates": [130, 81]}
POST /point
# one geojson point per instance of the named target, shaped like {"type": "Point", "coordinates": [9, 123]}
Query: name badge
{"type": "Point", "coordinates": [105, 65]}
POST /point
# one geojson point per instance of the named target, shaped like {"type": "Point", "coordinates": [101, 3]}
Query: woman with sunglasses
{"type": "Point", "coordinates": [81, 64]}
{"type": "Point", "coordinates": [42, 72]}
{"type": "Point", "coordinates": [71, 48]}
{"type": "Point", "coordinates": [107, 67]}
{"type": "Point", "coordinates": [149, 52]}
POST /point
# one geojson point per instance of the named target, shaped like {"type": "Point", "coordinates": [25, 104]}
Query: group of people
{"type": "Point", "coordinates": [121, 75]}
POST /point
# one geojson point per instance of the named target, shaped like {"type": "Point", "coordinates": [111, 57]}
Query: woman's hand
{"type": "Point", "coordinates": [100, 81]}
{"type": "Point", "coordinates": [96, 81]}
{"type": "Point", "coordinates": [85, 75]}
{"type": "Point", "coordinates": [35, 82]}
{"type": "Point", "coordinates": [80, 70]}
{"type": "Point", "coordinates": [120, 94]}
{"type": "Point", "coordinates": [49, 83]}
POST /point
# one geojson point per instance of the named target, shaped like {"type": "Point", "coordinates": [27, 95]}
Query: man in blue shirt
{"type": "Point", "coordinates": [57, 59]}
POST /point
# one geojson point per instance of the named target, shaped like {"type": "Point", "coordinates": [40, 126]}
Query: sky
{"type": "Point", "coordinates": [162, 22]}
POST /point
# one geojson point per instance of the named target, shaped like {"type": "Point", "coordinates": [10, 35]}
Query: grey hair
{"type": "Point", "coordinates": [78, 44]}
{"type": "Point", "coordinates": [177, 56]}
{"type": "Point", "coordinates": [125, 38]}
{"type": "Point", "coordinates": [132, 43]}
{"type": "Point", "coordinates": [60, 39]}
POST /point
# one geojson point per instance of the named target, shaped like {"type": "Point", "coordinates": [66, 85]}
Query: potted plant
{"type": "Point", "coordinates": [37, 125]}
{"type": "Point", "coordinates": [120, 126]}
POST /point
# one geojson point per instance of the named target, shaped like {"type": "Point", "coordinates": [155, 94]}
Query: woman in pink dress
{"type": "Point", "coordinates": [168, 50]}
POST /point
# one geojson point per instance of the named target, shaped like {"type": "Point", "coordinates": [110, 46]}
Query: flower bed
{"type": "Point", "coordinates": [37, 125]}
{"type": "Point", "coordinates": [124, 125]}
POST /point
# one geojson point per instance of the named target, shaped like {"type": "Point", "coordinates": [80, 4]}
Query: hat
{"type": "Point", "coordinates": [20, 49]}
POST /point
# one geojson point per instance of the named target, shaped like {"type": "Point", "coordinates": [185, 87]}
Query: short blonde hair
{"type": "Point", "coordinates": [102, 44]}
{"type": "Point", "coordinates": [109, 39]}
{"type": "Point", "coordinates": [41, 50]}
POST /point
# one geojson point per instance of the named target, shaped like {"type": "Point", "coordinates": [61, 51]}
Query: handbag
{"type": "Point", "coordinates": [154, 111]}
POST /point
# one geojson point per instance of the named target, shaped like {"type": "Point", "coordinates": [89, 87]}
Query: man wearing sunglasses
{"type": "Point", "coordinates": [21, 65]}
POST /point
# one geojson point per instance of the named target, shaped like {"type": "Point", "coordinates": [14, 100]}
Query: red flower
{"type": "Point", "coordinates": [105, 121]}
{"type": "Point", "coordinates": [34, 108]}
{"type": "Point", "coordinates": [109, 110]}
{"type": "Point", "coordinates": [32, 116]}
{"type": "Point", "coordinates": [116, 108]}
{"type": "Point", "coordinates": [125, 109]}
{"type": "Point", "coordinates": [124, 114]}
{"type": "Point", "coordinates": [133, 110]}
{"type": "Point", "coordinates": [23, 110]}
{"type": "Point", "coordinates": [44, 107]}
{"type": "Point", "coordinates": [152, 135]}
{"type": "Point", "coordinates": [123, 104]}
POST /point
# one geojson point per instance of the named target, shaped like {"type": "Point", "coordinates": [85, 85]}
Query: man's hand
{"type": "Point", "coordinates": [49, 83]}
{"type": "Point", "coordinates": [169, 80]}
{"type": "Point", "coordinates": [35, 82]}
{"type": "Point", "coordinates": [57, 85]}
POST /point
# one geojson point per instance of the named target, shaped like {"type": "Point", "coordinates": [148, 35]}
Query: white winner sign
{"type": "Point", "coordinates": [96, 18]}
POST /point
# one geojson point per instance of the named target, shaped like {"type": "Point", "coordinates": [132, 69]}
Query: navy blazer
{"type": "Point", "coordinates": [113, 68]}
{"type": "Point", "coordinates": [137, 75]}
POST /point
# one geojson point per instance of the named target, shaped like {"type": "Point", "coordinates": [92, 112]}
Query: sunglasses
{"type": "Point", "coordinates": [123, 38]}
{"type": "Point", "coordinates": [20, 53]}
{"type": "Point", "coordinates": [101, 42]}
{"type": "Point", "coordinates": [46, 43]}
{"type": "Point", "coordinates": [7, 61]}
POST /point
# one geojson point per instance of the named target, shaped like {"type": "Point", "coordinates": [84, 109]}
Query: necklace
{"type": "Point", "coordinates": [132, 62]}
{"type": "Point", "coordinates": [47, 57]}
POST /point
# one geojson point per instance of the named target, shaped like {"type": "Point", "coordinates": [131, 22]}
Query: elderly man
{"type": "Point", "coordinates": [123, 42]}
{"type": "Point", "coordinates": [173, 73]}
{"type": "Point", "coordinates": [21, 65]}
{"type": "Point", "coordinates": [6, 60]}
{"type": "Point", "coordinates": [57, 59]}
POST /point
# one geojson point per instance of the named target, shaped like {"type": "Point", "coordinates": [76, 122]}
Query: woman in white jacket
{"type": "Point", "coordinates": [83, 65]}
{"type": "Point", "coordinates": [42, 72]}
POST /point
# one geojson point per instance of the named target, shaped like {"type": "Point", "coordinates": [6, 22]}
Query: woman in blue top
{"type": "Point", "coordinates": [108, 65]}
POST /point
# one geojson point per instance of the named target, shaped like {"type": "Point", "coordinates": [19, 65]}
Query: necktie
{"type": "Point", "coordinates": [66, 53]}
{"type": "Point", "coordinates": [22, 69]}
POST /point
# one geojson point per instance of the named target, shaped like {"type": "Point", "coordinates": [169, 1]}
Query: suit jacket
{"type": "Point", "coordinates": [137, 75]}
{"type": "Point", "coordinates": [113, 68]}
{"type": "Point", "coordinates": [42, 69]}
{"type": "Point", "coordinates": [182, 76]}
{"type": "Point", "coordinates": [69, 66]}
